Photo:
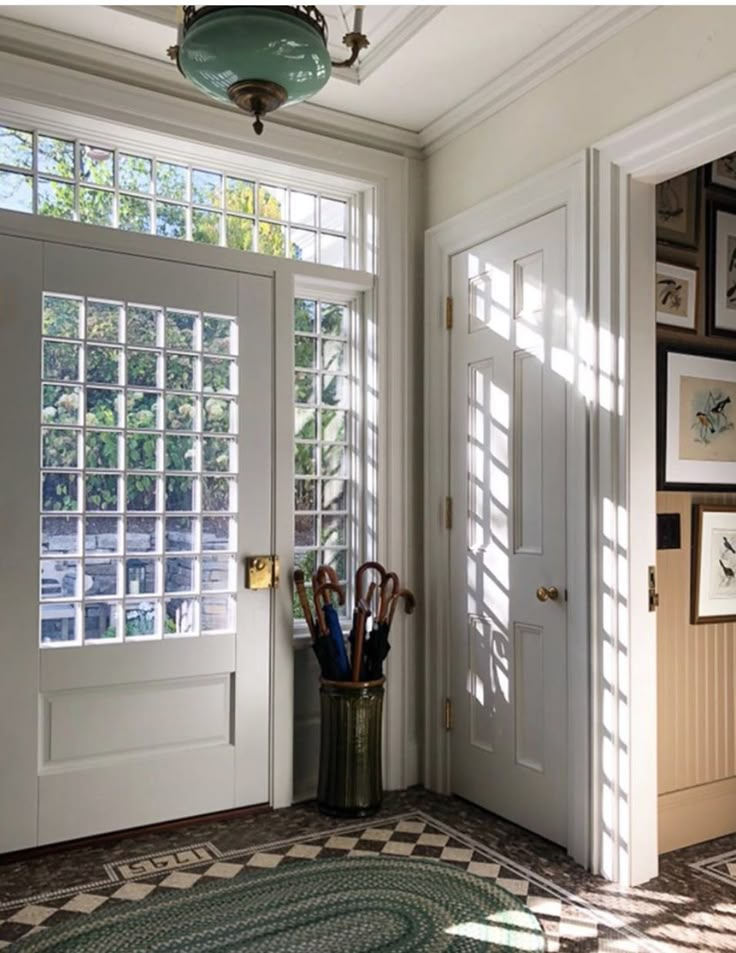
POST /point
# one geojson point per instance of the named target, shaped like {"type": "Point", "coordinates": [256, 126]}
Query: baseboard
{"type": "Point", "coordinates": [697, 814]}
{"type": "Point", "coordinates": [30, 853]}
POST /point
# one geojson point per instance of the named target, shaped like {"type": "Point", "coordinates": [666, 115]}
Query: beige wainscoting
{"type": "Point", "coordinates": [697, 699]}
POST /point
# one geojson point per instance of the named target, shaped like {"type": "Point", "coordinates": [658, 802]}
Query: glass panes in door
{"type": "Point", "coordinates": [138, 491]}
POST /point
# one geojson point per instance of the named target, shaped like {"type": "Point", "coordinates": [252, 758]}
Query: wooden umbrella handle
{"type": "Point", "coordinates": [304, 602]}
{"type": "Point", "coordinates": [408, 597]}
{"type": "Point", "coordinates": [358, 644]}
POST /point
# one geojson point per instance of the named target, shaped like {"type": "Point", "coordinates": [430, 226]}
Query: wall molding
{"type": "Point", "coordinates": [562, 51]}
{"type": "Point", "coordinates": [47, 48]}
{"type": "Point", "coordinates": [697, 814]}
{"type": "Point", "coordinates": [44, 46]}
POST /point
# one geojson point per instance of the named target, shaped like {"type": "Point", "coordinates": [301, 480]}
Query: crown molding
{"type": "Point", "coordinates": [395, 33]}
{"type": "Point", "coordinates": [593, 29]}
{"type": "Point", "coordinates": [88, 57]}
{"type": "Point", "coordinates": [47, 47]}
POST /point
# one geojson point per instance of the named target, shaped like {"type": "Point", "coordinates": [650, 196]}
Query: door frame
{"type": "Point", "coordinates": [563, 186]}
{"type": "Point", "coordinates": [625, 169]}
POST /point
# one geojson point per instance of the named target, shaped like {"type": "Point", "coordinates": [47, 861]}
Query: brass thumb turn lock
{"type": "Point", "coordinates": [261, 572]}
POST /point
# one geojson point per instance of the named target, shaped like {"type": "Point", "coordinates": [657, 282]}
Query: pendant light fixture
{"type": "Point", "coordinates": [259, 58]}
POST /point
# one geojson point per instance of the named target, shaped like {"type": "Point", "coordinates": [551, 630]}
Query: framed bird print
{"type": "Point", "coordinates": [721, 281]}
{"type": "Point", "coordinates": [714, 564]}
{"type": "Point", "coordinates": [677, 201]}
{"type": "Point", "coordinates": [676, 296]}
{"type": "Point", "coordinates": [696, 417]}
{"type": "Point", "coordinates": [721, 174]}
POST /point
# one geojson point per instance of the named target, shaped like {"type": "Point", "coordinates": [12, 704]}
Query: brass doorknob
{"type": "Point", "coordinates": [544, 593]}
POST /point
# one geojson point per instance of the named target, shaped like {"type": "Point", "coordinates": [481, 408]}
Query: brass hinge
{"type": "Point", "coordinates": [448, 512]}
{"type": "Point", "coordinates": [652, 589]}
{"type": "Point", "coordinates": [448, 314]}
{"type": "Point", "coordinates": [449, 715]}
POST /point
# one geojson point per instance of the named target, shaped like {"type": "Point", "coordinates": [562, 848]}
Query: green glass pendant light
{"type": "Point", "coordinates": [259, 58]}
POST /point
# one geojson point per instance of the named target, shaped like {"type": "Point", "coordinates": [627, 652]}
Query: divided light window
{"type": "Point", "coordinates": [326, 445]}
{"type": "Point", "coordinates": [138, 471]}
{"type": "Point", "coordinates": [99, 185]}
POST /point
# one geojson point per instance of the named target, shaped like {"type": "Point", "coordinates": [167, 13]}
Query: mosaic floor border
{"type": "Point", "coordinates": [570, 923]}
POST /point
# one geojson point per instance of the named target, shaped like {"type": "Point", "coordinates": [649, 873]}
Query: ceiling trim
{"type": "Point", "coordinates": [571, 44]}
{"type": "Point", "coordinates": [393, 37]}
{"type": "Point", "coordinates": [87, 56]}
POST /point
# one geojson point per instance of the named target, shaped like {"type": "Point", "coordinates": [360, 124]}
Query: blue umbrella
{"type": "Point", "coordinates": [331, 632]}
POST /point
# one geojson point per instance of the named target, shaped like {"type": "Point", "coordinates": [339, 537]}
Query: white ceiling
{"type": "Point", "coordinates": [428, 70]}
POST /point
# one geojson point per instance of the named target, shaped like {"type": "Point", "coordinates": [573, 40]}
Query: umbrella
{"type": "Point", "coordinates": [331, 632]}
{"type": "Point", "coordinates": [378, 644]}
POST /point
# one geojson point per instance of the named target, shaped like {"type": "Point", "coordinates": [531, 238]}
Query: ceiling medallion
{"type": "Point", "coordinates": [259, 58]}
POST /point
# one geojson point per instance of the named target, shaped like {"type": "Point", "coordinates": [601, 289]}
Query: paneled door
{"type": "Point", "coordinates": [507, 557]}
{"type": "Point", "coordinates": [137, 473]}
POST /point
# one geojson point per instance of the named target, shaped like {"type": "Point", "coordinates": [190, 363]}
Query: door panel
{"type": "Point", "coordinates": [156, 448]}
{"type": "Point", "coordinates": [509, 746]}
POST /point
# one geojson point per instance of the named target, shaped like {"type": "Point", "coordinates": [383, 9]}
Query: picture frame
{"type": "Point", "coordinates": [720, 175]}
{"type": "Point", "coordinates": [713, 576]}
{"type": "Point", "coordinates": [676, 295]}
{"type": "Point", "coordinates": [721, 278]}
{"type": "Point", "coordinates": [677, 207]}
{"type": "Point", "coordinates": [696, 419]}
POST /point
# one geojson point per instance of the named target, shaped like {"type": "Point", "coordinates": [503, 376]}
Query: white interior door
{"type": "Point", "coordinates": [509, 649]}
{"type": "Point", "coordinates": [136, 474]}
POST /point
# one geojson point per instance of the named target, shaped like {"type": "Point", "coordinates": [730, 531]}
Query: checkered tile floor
{"type": "Point", "coordinates": [570, 925]}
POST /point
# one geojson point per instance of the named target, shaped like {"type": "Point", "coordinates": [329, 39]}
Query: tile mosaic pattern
{"type": "Point", "coordinates": [570, 924]}
{"type": "Point", "coordinates": [719, 866]}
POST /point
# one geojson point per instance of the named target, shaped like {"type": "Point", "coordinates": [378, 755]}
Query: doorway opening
{"type": "Point", "coordinates": [696, 503]}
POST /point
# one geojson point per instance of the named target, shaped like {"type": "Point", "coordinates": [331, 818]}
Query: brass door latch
{"type": "Point", "coordinates": [262, 572]}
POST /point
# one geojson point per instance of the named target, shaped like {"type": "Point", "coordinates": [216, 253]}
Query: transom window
{"type": "Point", "coordinates": [326, 437]}
{"type": "Point", "coordinates": [100, 185]}
{"type": "Point", "coordinates": [138, 471]}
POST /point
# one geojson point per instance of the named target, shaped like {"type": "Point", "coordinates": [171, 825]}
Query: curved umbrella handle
{"type": "Point", "coordinates": [388, 592]}
{"type": "Point", "coordinates": [408, 597]}
{"type": "Point", "coordinates": [321, 598]}
{"type": "Point", "coordinates": [324, 575]}
{"type": "Point", "coordinates": [362, 570]}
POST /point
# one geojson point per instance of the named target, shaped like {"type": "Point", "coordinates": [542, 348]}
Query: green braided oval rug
{"type": "Point", "coordinates": [347, 905]}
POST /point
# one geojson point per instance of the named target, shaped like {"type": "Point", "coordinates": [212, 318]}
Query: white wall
{"type": "Point", "coordinates": [669, 53]}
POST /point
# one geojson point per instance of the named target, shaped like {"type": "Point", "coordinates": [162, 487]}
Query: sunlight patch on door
{"type": "Point", "coordinates": [487, 683]}
{"type": "Point", "coordinates": [489, 300]}
{"type": "Point", "coordinates": [528, 479]}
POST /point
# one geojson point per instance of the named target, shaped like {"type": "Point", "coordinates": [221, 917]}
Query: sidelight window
{"type": "Point", "coordinates": [326, 436]}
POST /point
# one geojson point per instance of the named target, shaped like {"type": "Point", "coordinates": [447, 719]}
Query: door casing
{"type": "Point", "coordinates": [564, 186]}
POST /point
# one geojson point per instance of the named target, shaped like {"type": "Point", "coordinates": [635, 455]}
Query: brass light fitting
{"type": "Point", "coordinates": [260, 58]}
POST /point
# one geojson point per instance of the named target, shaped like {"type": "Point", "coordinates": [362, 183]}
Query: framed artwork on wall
{"type": "Point", "coordinates": [721, 174]}
{"type": "Point", "coordinates": [676, 291]}
{"type": "Point", "coordinates": [677, 206]}
{"type": "Point", "coordinates": [721, 280]}
{"type": "Point", "coordinates": [696, 412]}
{"type": "Point", "coordinates": [713, 597]}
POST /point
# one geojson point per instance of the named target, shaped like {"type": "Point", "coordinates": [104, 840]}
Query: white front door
{"type": "Point", "coordinates": [508, 547]}
{"type": "Point", "coordinates": [137, 473]}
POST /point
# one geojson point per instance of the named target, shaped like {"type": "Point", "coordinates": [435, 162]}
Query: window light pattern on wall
{"type": "Point", "coordinates": [138, 471]}
{"type": "Point", "coordinates": [325, 438]}
{"type": "Point", "coordinates": [96, 185]}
